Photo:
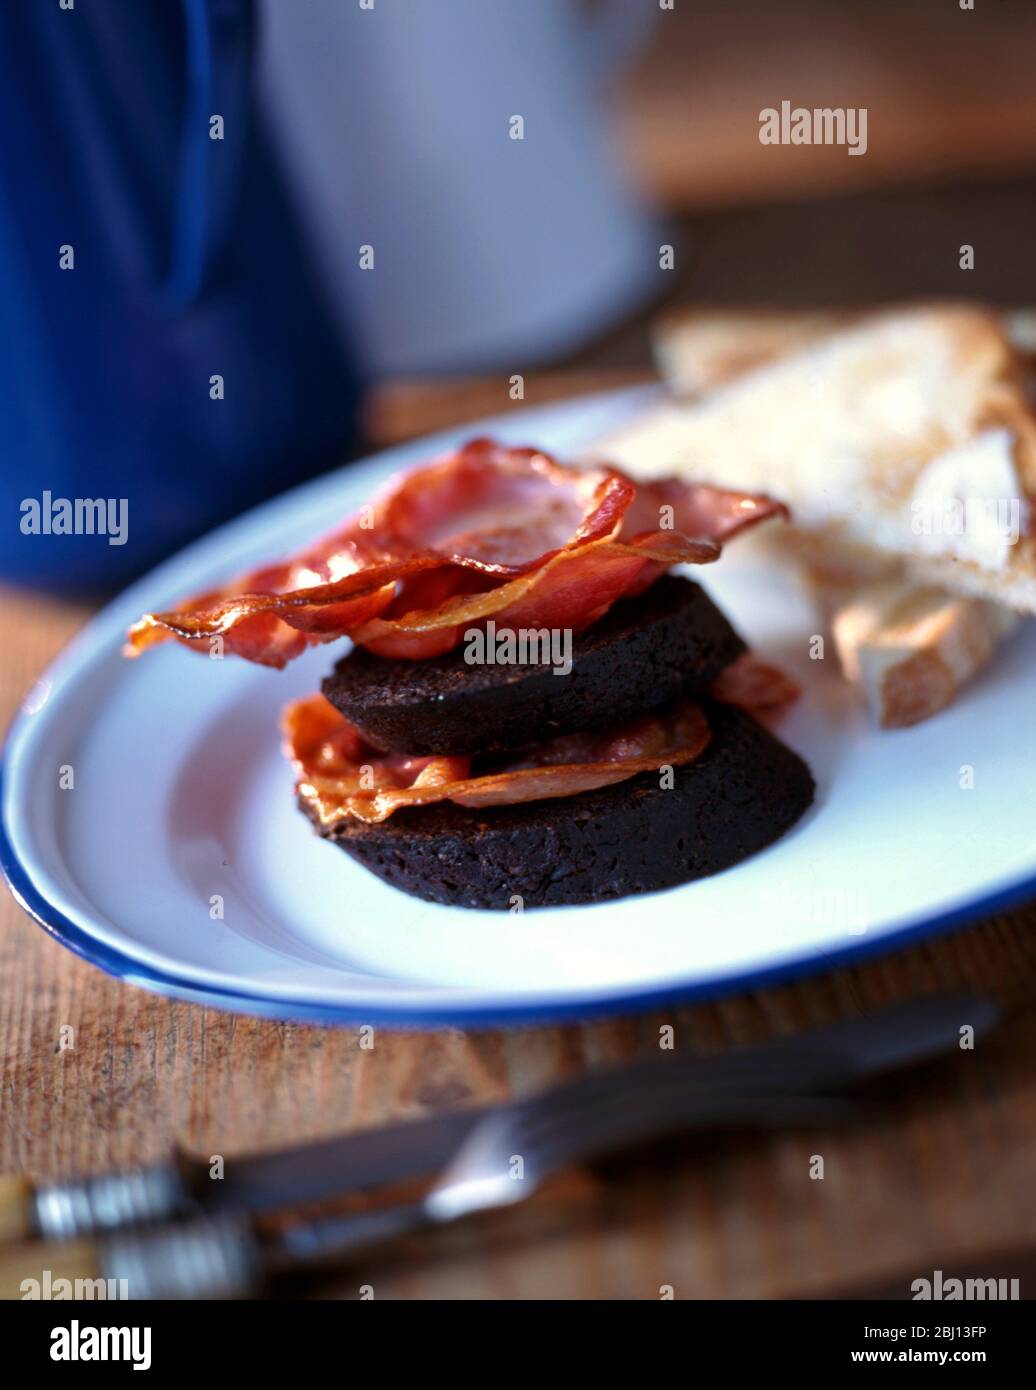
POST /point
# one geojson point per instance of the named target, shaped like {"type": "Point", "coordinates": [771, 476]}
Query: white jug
{"type": "Point", "coordinates": [395, 121]}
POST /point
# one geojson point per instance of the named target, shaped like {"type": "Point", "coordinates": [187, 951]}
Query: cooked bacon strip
{"type": "Point", "coordinates": [485, 532]}
{"type": "Point", "coordinates": [754, 685]}
{"type": "Point", "coordinates": [339, 775]}
{"type": "Point", "coordinates": [572, 590]}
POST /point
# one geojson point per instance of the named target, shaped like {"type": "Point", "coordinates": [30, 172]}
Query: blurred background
{"type": "Point", "coordinates": [303, 231]}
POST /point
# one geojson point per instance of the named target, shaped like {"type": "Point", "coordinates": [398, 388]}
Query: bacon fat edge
{"type": "Point", "coordinates": [487, 531]}
{"type": "Point", "coordinates": [339, 776]}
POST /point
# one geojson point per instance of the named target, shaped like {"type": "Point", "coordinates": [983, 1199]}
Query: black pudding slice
{"type": "Point", "coordinates": [743, 793]}
{"type": "Point", "coordinates": [643, 653]}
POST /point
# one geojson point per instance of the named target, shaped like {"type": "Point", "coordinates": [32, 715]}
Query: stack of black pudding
{"type": "Point", "coordinates": [743, 792]}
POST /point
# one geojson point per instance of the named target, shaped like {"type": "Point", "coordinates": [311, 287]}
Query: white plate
{"type": "Point", "coordinates": [180, 794]}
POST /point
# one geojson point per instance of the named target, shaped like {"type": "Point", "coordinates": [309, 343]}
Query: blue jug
{"type": "Point", "coordinates": [165, 355]}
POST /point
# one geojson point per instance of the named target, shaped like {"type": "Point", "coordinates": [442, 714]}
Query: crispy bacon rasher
{"type": "Point", "coordinates": [755, 685]}
{"type": "Point", "coordinates": [339, 775]}
{"type": "Point", "coordinates": [487, 531]}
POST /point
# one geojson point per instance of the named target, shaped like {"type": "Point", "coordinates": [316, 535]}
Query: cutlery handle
{"type": "Point", "coordinates": [91, 1206]}
{"type": "Point", "coordinates": [217, 1258]}
{"type": "Point", "coordinates": [16, 1214]}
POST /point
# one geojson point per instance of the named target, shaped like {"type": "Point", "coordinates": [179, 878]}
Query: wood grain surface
{"type": "Point", "coordinates": [689, 110]}
{"type": "Point", "coordinates": [939, 1174]}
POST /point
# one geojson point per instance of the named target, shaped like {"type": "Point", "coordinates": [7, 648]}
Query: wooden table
{"type": "Point", "coordinates": [689, 109]}
{"type": "Point", "coordinates": [939, 1176]}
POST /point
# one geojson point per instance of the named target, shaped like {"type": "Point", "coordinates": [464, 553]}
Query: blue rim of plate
{"type": "Point", "coordinates": [168, 984]}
